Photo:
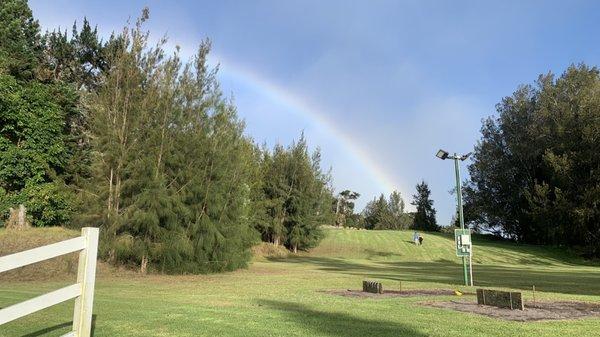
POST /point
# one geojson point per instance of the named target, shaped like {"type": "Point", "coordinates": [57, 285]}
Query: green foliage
{"type": "Point", "coordinates": [344, 210]}
{"type": "Point", "coordinates": [34, 149]}
{"type": "Point", "coordinates": [78, 59]}
{"type": "Point", "coordinates": [170, 174]}
{"type": "Point", "coordinates": [534, 176]}
{"type": "Point", "coordinates": [424, 217]}
{"type": "Point", "coordinates": [296, 197]}
{"type": "Point", "coordinates": [38, 145]}
{"type": "Point", "coordinates": [20, 45]}
{"type": "Point", "coordinates": [386, 214]}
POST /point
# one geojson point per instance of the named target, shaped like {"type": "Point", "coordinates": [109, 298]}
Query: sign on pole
{"type": "Point", "coordinates": [462, 238]}
{"type": "Point", "coordinates": [464, 248]}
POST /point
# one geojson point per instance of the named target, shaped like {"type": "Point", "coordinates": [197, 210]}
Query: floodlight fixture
{"type": "Point", "coordinates": [465, 156]}
{"type": "Point", "coordinates": [442, 154]}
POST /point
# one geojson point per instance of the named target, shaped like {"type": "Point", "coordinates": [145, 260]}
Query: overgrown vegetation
{"type": "Point", "coordinates": [36, 137]}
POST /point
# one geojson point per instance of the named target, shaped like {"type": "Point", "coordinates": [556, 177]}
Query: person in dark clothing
{"type": "Point", "coordinates": [420, 240]}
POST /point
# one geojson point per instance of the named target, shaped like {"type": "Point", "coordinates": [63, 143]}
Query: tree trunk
{"type": "Point", "coordinates": [295, 249]}
{"type": "Point", "coordinates": [144, 265]}
{"type": "Point", "coordinates": [110, 193]}
{"type": "Point", "coordinates": [17, 219]}
{"type": "Point", "coordinates": [337, 212]}
{"type": "Point", "coordinates": [111, 256]}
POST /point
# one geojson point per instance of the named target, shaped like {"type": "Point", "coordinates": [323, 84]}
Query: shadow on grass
{"type": "Point", "coordinates": [53, 328]}
{"type": "Point", "coordinates": [535, 254]}
{"type": "Point", "coordinates": [371, 253]}
{"type": "Point", "coordinates": [339, 324]}
{"type": "Point", "coordinates": [559, 280]}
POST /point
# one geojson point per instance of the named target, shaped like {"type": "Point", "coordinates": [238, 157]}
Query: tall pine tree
{"type": "Point", "coordinates": [424, 217]}
{"type": "Point", "coordinates": [170, 182]}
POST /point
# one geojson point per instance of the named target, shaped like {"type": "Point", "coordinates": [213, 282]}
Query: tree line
{"type": "Point", "coordinates": [125, 135]}
{"type": "Point", "coordinates": [388, 213]}
{"type": "Point", "coordinates": [535, 175]}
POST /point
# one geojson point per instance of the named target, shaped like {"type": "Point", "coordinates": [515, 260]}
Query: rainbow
{"type": "Point", "coordinates": [292, 103]}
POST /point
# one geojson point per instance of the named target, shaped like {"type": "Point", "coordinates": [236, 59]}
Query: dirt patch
{"type": "Point", "coordinates": [540, 311]}
{"type": "Point", "coordinates": [269, 250]}
{"type": "Point", "coordinates": [393, 293]}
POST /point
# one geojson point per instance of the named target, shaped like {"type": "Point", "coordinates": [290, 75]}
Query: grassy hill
{"type": "Point", "coordinates": [398, 246]}
{"type": "Point", "coordinates": [391, 255]}
{"type": "Point", "coordinates": [279, 296]}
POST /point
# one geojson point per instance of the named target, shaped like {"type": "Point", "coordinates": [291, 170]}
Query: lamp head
{"type": "Point", "coordinates": [442, 154]}
{"type": "Point", "coordinates": [463, 157]}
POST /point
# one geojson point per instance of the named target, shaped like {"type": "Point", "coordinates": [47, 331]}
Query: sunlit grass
{"type": "Point", "coordinates": [282, 297]}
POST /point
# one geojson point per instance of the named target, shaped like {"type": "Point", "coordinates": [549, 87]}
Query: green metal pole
{"type": "Point", "coordinates": [460, 213]}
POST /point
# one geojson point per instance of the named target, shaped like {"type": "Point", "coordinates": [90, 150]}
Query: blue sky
{"type": "Point", "coordinates": [379, 86]}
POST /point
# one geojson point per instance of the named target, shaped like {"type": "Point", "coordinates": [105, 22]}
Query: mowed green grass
{"type": "Point", "coordinates": [283, 297]}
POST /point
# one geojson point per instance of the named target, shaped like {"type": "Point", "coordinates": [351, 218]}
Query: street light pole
{"type": "Point", "coordinates": [460, 211]}
{"type": "Point", "coordinates": [443, 155]}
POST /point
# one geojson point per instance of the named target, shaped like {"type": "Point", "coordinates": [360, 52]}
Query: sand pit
{"type": "Point", "coordinates": [540, 311]}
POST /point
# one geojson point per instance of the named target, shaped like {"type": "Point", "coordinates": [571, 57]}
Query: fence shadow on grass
{"type": "Point", "coordinates": [48, 330]}
{"type": "Point", "coordinates": [339, 324]}
{"type": "Point", "coordinates": [568, 280]}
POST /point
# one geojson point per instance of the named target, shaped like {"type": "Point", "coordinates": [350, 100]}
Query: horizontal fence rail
{"type": "Point", "coordinates": [31, 256]}
{"type": "Point", "coordinates": [41, 302]}
{"type": "Point", "coordinates": [82, 291]}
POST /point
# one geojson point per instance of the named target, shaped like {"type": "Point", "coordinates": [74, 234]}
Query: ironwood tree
{"type": "Point", "coordinates": [296, 196]}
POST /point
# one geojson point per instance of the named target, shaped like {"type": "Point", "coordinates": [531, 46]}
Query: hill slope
{"type": "Point", "coordinates": [390, 256]}
{"type": "Point", "coordinates": [437, 247]}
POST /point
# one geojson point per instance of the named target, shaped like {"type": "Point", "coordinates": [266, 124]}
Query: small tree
{"type": "Point", "coordinates": [425, 213]}
{"type": "Point", "coordinates": [386, 214]}
{"type": "Point", "coordinates": [344, 208]}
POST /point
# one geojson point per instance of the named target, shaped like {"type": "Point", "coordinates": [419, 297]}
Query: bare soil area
{"type": "Point", "coordinates": [393, 293]}
{"type": "Point", "coordinates": [540, 311]}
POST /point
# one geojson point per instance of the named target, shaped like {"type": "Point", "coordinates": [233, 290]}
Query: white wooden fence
{"type": "Point", "coordinates": [82, 291]}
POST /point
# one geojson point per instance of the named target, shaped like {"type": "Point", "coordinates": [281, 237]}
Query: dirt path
{"type": "Point", "coordinates": [540, 311]}
{"type": "Point", "coordinates": [393, 293]}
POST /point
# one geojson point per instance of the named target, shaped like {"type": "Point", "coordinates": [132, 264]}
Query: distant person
{"type": "Point", "coordinates": [420, 240]}
{"type": "Point", "coordinates": [416, 237]}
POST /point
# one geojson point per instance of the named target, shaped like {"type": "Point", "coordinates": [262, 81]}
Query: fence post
{"type": "Point", "coordinates": [86, 276]}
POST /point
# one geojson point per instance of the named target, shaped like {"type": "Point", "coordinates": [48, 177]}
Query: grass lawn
{"type": "Point", "coordinates": [281, 297]}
